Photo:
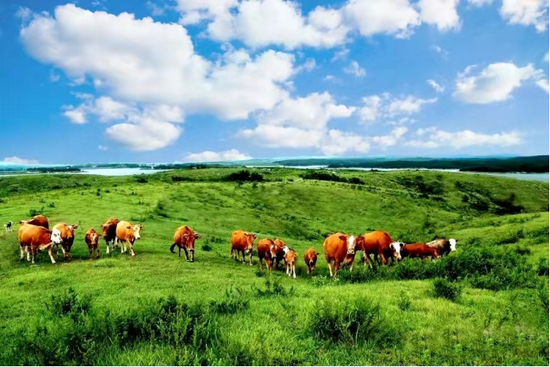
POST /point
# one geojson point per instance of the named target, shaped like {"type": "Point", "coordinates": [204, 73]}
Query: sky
{"type": "Point", "coordinates": [209, 80]}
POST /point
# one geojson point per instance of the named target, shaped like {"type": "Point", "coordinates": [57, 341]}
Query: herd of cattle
{"type": "Point", "coordinates": [339, 248]}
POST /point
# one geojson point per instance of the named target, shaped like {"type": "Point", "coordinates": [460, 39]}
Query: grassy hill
{"type": "Point", "coordinates": [486, 304]}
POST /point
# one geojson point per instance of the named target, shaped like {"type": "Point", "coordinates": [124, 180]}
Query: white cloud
{"type": "Point", "coordinates": [494, 83]}
{"type": "Point", "coordinates": [438, 88]}
{"type": "Point", "coordinates": [546, 57]}
{"type": "Point", "coordinates": [385, 107]}
{"type": "Point", "coordinates": [370, 109]}
{"type": "Point", "coordinates": [436, 138]}
{"type": "Point", "coordinates": [103, 147]}
{"type": "Point", "coordinates": [479, 2]}
{"type": "Point", "coordinates": [54, 77]}
{"type": "Point", "coordinates": [210, 156]}
{"type": "Point", "coordinates": [338, 143]}
{"type": "Point", "coordinates": [309, 65]}
{"type": "Point", "coordinates": [273, 136]}
{"type": "Point", "coordinates": [340, 54]}
{"type": "Point", "coordinates": [18, 160]}
{"type": "Point", "coordinates": [76, 115]}
{"type": "Point", "coordinates": [355, 69]}
{"type": "Point", "coordinates": [144, 134]}
{"type": "Point", "coordinates": [441, 13]}
{"type": "Point", "coordinates": [543, 84]}
{"type": "Point", "coordinates": [440, 50]}
{"type": "Point", "coordinates": [526, 12]}
{"type": "Point", "coordinates": [156, 9]}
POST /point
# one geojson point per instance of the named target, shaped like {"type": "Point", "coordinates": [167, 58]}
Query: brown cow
{"type": "Point", "coordinates": [338, 248]}
{"type": "Point", "coordinates": [109, 232]}
{"type": "Point", "coordinates": [185, 238]}
{"type": "Point", "coordinates": [420, 250]}
{"type": "Point", "coordinates": [264, 252]}
{"type": "Point", "coordinates": [66, 233]}
{"type": "Point", "coordinates": [277, 252]}
{"type": "Point", "coordinates": [310, 257]}
{"type": "Point", "coordinates": [127, 233]}
{"type": "Point", "coordinates": [379, 244]}
{"type": "Point", "coordinates": [290, 261]}
{"type": "Point", "coordinates": [242, 242]}
{"type": "Point", "coordinates": [444, 246]}
{"type": "Point", "coordinates": [38, 220]}
{"type": "Point", "coordinates": [33, 238]}
{"type": "Point", "coordinates": [92, 240]}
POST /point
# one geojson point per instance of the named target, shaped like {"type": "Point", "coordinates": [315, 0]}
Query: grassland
{"type": "Point", "coordinates": [489, 304]}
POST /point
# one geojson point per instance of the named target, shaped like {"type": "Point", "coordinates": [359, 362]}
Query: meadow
{"type": "Point", "coordinates": [485, 304]}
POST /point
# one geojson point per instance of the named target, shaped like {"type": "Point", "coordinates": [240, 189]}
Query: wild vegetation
{"type": "Point", "coordinates": [486, 304]}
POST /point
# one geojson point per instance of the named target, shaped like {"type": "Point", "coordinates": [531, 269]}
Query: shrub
{"type": "Point", "coordinates": [446, 289]}
{"type": "Point", "coordinates": [69, 304]}
{"type": "Point", "coordinates": [206, 247]}
{"type": "Point", "coordinates": [244, 176]}
{"type": "Point", "coordinates": [543, 295]}
{"type": "Point", "coordinates": [34, 212]}
{"type": "Point", "coordinates": [542, 267]}
{"type": "Point", "coordinates": [273, 288]}
{"type": "Point", "coordinates": [404, 302]}
{"type": "Point", "coordinates": [141, 179]}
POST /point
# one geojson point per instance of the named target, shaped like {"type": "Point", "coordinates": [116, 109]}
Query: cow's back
{"type": "Point", "coordinates": [238, 240]}
{"type": "Point", "coordinates": [39, 220]}
{"type": "Point", "coordinates": [111, 224]}
{"type": "Point", "coordinates": [34, 236]}
{"type": "Point", "coordinates": [123, 230]}
{"type": "Point", "coordinates": [376, 241]}
{"type": "Point", "coordinates": [335, 248]}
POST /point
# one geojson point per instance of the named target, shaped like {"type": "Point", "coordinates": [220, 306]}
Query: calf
{"type": "Point", "coordinates": [92, 240]}
{"type": "Point", "coordinates": [33, 238]}
{"type": "Point", "coordinates": [264, 252]}
{"type": "Point", "coordinates": [310, 257]}
{"type": "Point", "coordinates": [8, 226]}
{"type": "Point", "coordinates": [420, 250]}
{"type": "Point", "coordinates": [379, 244]}
{"type": "Point", "coordinates": [185, 238]}
{"type": "Point", "coordinates": [66, 233]}
{"type": "Point", "coordinates": [339, 248]}
{"type": "Point", "coordinates": [277, 252]}
{"type": "Point", "coordinates": [38, 220]}
{"type": "Point", "coordinates": [127, 233]}
{"type": "Point", "coordinates": [444, 246]}
{"type": "Point", "coordinates": [109, 232]}
{"type": "Point", "coordinates": [242, 242]}
{"type": "Point", "coordinates": [290, 261]}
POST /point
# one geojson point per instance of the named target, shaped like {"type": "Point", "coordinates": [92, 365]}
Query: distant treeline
{"type": "Point", "coordinates": [53, 169]}
{"type": "Point", "coordinates": [533, 164]}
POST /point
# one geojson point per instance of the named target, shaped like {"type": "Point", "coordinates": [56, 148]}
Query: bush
{"type": "Point", "coordinates": [445, 289]}
{"type": "Point", "coordinates": [141, 179]}
{"type": "Point", "coordinates": [542, 267]}
{"type": "Point", "coordinates": [69, 304]}
{"type": "Point", "coordinates": [404, 302]}
{"type": "Point", "coordinates": [273, 288]}
{"type": "Point", "coordinates": [206, 247]}
{"type": "Point", "coordinates": [244, 176]}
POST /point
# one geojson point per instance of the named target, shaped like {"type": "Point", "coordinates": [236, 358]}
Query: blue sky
{"type": "Point", "coordinates": [190, 80]}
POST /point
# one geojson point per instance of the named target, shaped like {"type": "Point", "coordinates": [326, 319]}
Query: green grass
{"type": "Point", "coordinates": [252, 317]}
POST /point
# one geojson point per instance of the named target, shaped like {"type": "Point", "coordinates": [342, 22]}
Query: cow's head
{"type": "Point", "coordinates": [453, 242]}
{"type": "Point", "coordinates": [105, 229]}
{"type": "Point", "coordinates": [250, 238]}
{"type": "Point", "coordinates": [94, 238]}
{"type": "Point", "coordinates": [395, 248]}
{"type": "Point", "coordinates": [56, 236]}
{"type": "Point", "coordinates": [71, 229]}
{"type": "Point", "coordinates": [359, 243]}
{"type": "Point", "coordinates": [136, 228]}
{"type": "Point", "coordinates": [350, 243]}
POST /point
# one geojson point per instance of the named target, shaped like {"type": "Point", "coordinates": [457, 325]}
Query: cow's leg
{"type": "Point", "coordinates": [131, 245]}
{"type": "Point", "coordinates": [260, 259]}
{"type": "Point", "coordinates": [115, 243]}
{"type": "Point", "coordinates": [250, 257]}
{"type": "Point", "coordinates": [336, 267]}
{"type": "Point", "coordinates": [22, 253]}
{"type": "Point", "coordinates": [179, 251]}
{"type": "Point", "coordinates": [186, 254]}
{"type": "Point", "coordinates": [294, 271]}
{"type": "Point", "coordinates": [382, 258]}
{"type": "Point", "coordinates": [107, 247]}
{"type": "Point", "coordinates": [50, 252]}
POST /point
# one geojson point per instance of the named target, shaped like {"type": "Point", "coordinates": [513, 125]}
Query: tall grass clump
{"type": "Point", "coordinates": [446, 289]}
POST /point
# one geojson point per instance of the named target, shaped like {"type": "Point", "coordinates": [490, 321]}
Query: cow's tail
{"type": "Point", "coordinates": [172, 248]}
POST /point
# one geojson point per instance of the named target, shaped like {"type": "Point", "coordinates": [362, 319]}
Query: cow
{"type": "Point", "coordinates": [38, 220]}
{"type": "Point", "coordinates": [277, 252]}
{"type": "Point", "coordinates": [310, 258]}
{"type": "Point", "coordinates": [185, 238]}
{"type": "Point", "coordinates": [8, 226]}
{"type": "Point", "coordinates": [379, 244]}
{"type": "Point", "coordinates": [33, 238]}
{"type": "Point", "coordinates": [443, 246]}
{"type": "Point", "coordinates": [242, 242]}
{"type": "Point", "coordinates": [420, 250]}
{"type": "Point", "coordinates": [92, 240]}
{"type": "Point", "coordinates": [66, 232]}
{"type": "Point", "coordinates": [339, 248]}
{"type": "Point", "coordinates": [290, 261]}
{"type": "Point", "coordinates": [264, 252]}
{"type": "Point", "coordinates": [127, 233]}
{"type": "Point", "coordinates": [109, 232]}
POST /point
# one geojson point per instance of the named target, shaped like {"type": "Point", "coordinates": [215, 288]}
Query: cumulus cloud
{"type": "Point", "coordinates": [494, 83]}
{"type": "Point", "coordinates": [18, 160]}
{"type": "Point", "coordinates": [436, 138]}
{"type": "Point", "coordinates": [210, 156]}
{"type": "Point", "coordinates": [385, 106]}
{"type": "Point", "coordinates": [543, 84]}
{"type": "Point", "coordinates": [479, 2]}
{"type": "Point", "coordinates": [103, 147]}
{"type": "Point", "coordinates": [355, 69]}
{"type": "Point", "coordinates": [441, 13]}
{"type": "Point", "coordinates": [438, 88]}
{"type": "Point", "coordinates": [526, 12]}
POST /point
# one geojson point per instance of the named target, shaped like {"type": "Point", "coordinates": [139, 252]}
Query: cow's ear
{"type": "Point", "coordinates": [75, 226]}
{"type": "Point", "coordinates": [21, 222]}
{"type": "Point", "coordinates": [343, 238]}
{"type": "Point", "coordinates": [317, 254]}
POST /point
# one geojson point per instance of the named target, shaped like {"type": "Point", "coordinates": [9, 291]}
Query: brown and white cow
{"type": "Point", "coordinates": [419, 250]}
{"type": "Point", "coordinates": [380, 244]}
{"type": "Point", "coordinates": [290, 261]}
{"type": "Point", "coordinates": [109, 232]}
{"type": "Point", "coordinates": [310, 257]}
{"type": "Point", "coordinates": [92, 240]}
{"type": "Point", "coordinates": [66, 233]}
{"type": "Point", "coordinates": [277, 252]}
{"type": "Point", "coordinates": [264, 252]}
{"type": "Point", "coordinates": [38, 220]}
{"type": "Point", "coordinates": [242, 242]}
{"type": "Point", "coordinates": [127, 233]}
{"type": "Point", "coordinates": [444, 246]}
{"type": "Point", "coordinates": [339, 248]}
{"type": "Point", "coordinates": [185, 238]}
{"type": "Point", "coordinates": [33, 238]}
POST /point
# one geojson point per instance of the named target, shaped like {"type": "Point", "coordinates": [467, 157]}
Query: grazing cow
{"type": "Point", "coordinates": [444, 246]}
{"type": "Point", "coordinates": [66, 232]}
{"type": "Point", "coordinates": [8, 226]}
{"type": "Point", "coordinates": [38, 220]}
{"type": "Point", "coordinates": [290, 261]}
{"type": "Point", "coordinates": [242, 242]}
{"type": "Point", "coordinates": [379, 244]}
{"type": "Point", "coordinates": [420, 250]}
{"type": "Point", "coordinates": [277, 252]}
{"type": "Point", "coordinates": [33, 238]}
{"type": "Point", "coordinates": [127, 233]}
{"type": "Point", "coordinates": [109, 232]}
{"type": "Point", "coordinates": [338, 248]}
{"type": "Point", "coordinates": [92, 240]}
{"type": "Point", "coordinates": [264, 252]}
{"type": "Point", "coordinates": [310, 257]}
{"type": "Point", "coordinates": [185, 238]}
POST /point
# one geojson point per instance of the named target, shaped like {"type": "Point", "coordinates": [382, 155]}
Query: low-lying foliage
{"type": "Point", "coordinates": [446, 289]}
{"type": "Point", "coordinates": [273, 288]}
{"type": "Point", "coordinates": [244, 176]}
{"type": "Point", "coordinates": [404, 302]}
{"type": "Point", "coordinates": [542, 267]}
